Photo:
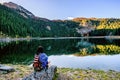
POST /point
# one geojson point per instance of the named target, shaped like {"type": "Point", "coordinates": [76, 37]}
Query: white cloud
{"type": "Point", "coordinates": [70, 18]}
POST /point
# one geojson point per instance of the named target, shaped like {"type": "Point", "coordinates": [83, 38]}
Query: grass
{"type": "Point", "coordinates": [20, 72]}
{"type": "Point", "coordinates": [82, 74]}
{"type": "Point", "coordinates": [63, 74]}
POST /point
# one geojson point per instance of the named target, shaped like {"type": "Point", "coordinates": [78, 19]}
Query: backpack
{"type": "Point", "coordinates": [42, 63]}
{"type": "Point", "coordinates": [37, 63]}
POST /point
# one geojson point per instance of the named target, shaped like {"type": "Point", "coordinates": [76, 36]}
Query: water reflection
{"type": "Point", "coordinates": [22, 52]}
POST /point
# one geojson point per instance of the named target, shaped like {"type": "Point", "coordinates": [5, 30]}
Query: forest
{"type": "Point", "coordinates": [13, 24]}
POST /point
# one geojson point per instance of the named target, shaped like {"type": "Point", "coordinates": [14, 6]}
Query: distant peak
{"type": "Point", "coordinates": [22, 11]}
{"type": "Point", "coordinates": [11, 5]}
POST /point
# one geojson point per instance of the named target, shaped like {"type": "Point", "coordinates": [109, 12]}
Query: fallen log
{"type": "Point", "coordinates": [47, 74]}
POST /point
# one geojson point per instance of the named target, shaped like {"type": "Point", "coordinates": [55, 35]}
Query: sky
{"type": "Point", "coordinates": [68, 9]}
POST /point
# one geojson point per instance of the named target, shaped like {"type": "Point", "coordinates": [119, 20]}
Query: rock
{"type": "Point", "coordinates": [43, 74]}
{"type": "Point", "coordinates": [62, 76]}
{"type": "Point", "coordinates": [78, 76]}
{"type": "Point", "coordinates": [6, 68]}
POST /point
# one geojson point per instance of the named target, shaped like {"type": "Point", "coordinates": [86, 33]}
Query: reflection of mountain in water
{"type": "Point", "coordinates": [84, 47]}
{"type": "Point", "coordinates": [23, 51]}
{"type": "Point", "coordinates": [84, 44]}
{"type": "Point", "coordinates": [87, 48]}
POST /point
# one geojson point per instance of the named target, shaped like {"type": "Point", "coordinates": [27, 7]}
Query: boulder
{"type": "Point", "coordinates": [7, 69]}
{"type": "Point", "coordinates": [47, 74]}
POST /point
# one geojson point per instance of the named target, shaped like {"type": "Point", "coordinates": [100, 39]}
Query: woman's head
{"type": "Point", "coordinates": [40, 49]}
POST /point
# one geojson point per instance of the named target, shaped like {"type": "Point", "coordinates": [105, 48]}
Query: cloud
{"type": "Point", "coordinates": [70, 18]}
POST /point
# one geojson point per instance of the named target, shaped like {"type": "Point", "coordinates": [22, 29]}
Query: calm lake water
{"type": "Point", "coordinates": [95, 53]}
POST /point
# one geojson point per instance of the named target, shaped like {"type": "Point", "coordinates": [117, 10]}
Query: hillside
{"type": "Point", "coordinates": [102, 26]}
{"type": "Point", "coordinates": [13, 24]}
{"type": "Point", "coordinates": [16, 21]}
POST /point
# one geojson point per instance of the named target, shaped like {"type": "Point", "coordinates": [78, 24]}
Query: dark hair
{"type": "Point", "coordinates": [40, 49]}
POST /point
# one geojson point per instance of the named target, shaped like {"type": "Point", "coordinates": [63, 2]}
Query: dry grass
{"type": "Point", "coordinates": [80, 74]}
{"type": "Point", "coordinates": [63, 74]}
{"type": "Point", "coordinates": [20, 72]}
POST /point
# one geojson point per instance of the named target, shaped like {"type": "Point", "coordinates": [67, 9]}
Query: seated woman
{"type": "Point", "coordinates": [40, 60]}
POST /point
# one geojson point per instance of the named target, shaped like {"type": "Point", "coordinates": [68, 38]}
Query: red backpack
{"type": "Point", "coordinates": [37, 64]}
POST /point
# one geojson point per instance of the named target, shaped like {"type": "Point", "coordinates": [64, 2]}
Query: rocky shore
{"type": "Point", "coordinates": [22, 71]}
{"type": "Point", "coordinates": [90, 74]}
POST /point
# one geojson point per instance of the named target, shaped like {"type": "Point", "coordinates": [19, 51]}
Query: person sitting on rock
{"type": "Point", "coordinates": [40, 60]}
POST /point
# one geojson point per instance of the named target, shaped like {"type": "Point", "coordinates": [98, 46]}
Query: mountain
{"type": "Point", "coordinates": [102, 26]}
{"type": "Point", "coordinates": [22, 11]}
{"type": "Point", "coordinates": [16, 21]}
{"type": "Point", "coordinates": [13, 24]}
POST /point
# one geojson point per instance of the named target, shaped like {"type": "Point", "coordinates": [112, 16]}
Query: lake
{"type": "Point", "coordinates": [83, 53]}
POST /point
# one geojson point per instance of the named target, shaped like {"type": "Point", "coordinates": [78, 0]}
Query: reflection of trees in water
{"type": "Point", "coordinates": [99, 49]}
{"type": "Point", "coordinates": [16, 52]}
{"type": "Point", "coordinates": [107, 49]}
{"type": "Point", "coordinates": [23, 51]}
{"type": "Point", "coordinates": [103, 41]}
{"type": "Point", "coordinates": [98, 46]}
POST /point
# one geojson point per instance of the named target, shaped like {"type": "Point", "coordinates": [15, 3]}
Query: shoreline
{"type": "Point", "coordinates": [8, 39]}
{"type": "Point", "coordinates": [62, 73]}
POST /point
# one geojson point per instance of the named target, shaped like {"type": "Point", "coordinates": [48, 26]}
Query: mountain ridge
{"type": "Point", "coordinates": [15, 21]}
{"type": "Point", "coordinates": [19, 8]}
{"type": "Point", "coordinates": [22, 11]}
